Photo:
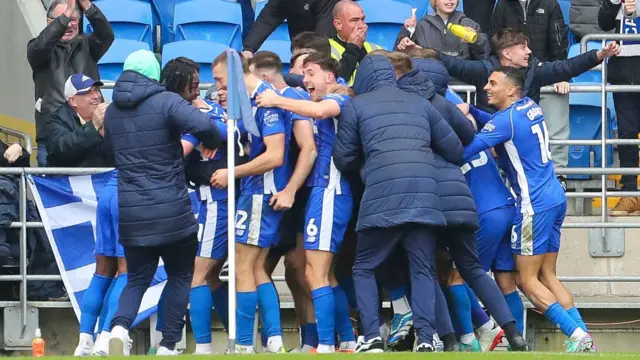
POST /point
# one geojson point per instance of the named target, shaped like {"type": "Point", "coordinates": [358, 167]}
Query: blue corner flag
{"type": "Point", "coordinates": [238, 105]}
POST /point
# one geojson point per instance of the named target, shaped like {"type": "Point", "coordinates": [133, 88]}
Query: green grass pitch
{"type": "Point", "coordinates": [410, 356]}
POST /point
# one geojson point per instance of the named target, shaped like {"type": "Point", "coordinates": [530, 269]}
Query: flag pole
{"type": "Point", "coordinates": [233, 112]}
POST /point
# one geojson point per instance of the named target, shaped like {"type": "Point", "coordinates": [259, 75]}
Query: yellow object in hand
{"type": "Point", "coordinates": [463, 33]}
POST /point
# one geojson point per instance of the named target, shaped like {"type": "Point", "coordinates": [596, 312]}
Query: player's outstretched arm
{"type": "Point", "coordinates": [317, 110]}
{"type": "Point", "coordinates": [495, 132]}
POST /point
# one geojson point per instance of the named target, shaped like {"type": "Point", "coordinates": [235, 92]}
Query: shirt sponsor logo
{"type": "Point", "coordinates": [489, 127]}
{"type": "Point", "coordinates": [270, 118]}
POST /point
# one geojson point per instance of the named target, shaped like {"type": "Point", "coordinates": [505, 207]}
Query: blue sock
{"type": "Point", "coordinates": [105, 307]}
{"type": "Point", "coordinates": [461, 307]}
{"type": "Point", "coordinates": [160, 312]}
{"type": "Point", "coordinates": [517, 309]}
{"type": "Point", "coordinates": [114, 300]}
{"type": "Point", "coordinates": [349, 289]}
{"type": "Point", "coordinates": [92, 302]}
{"type": "Point", "coordinates": [221, 304]}
{"type": "Point", "coordinates": [324, 304]}
{"type": "Point", "coordinates": [310, 335]}
{"type": "Point", "coordinates": [245, 316]}
{"type": "Point", "coordinates": [575, 315]}
{"type": "Point", "coordinates": [200, 313]}
{"type": "Point", "coordinates": [303, 334]}
{"type": "Point", "coordinates": [343, 315]}
{"type": "Point", "coordinates": [269, 307]}
{"type": "Point", "coordinates": [478, 316]}
{"type": "Point", "coordinates": [561, 319]}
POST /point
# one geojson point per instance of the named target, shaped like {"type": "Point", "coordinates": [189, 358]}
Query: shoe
{"type": "Point", "coordinates": [324, 349]}
{"type": "Point", "coordinates": [347, 347]}
{"type": "Point", "coordinates": [101, 348]}
{"type": "Point", "coordinates": [305, 349]}
{"type": "Point", "coordinates": [473, 347]}
{"type": "Point", "coordinates": [518, 344]}
{"type": "Point", "coordinates": [438, 345]}
{"type": "Point", "coordinates": [163, 351]}
{"type": "Point", "coordinates": [626, 206]}
{"type": "Point", "coordinates": [119, 343]}
{"type": "Point", "coordinates": [584, 345]}
{"type": "Point", "coordinates": [490, 339]}
{"type": "Point", "coordinates": [400, 326]}
{"type": "Point", "coordinates": [563, 182]}
{"type": "Point", "coordinates": [424, 347]}
{"type": "Point", "coordinates": [373, 346]}
{"type": "Point", "coordinates": [84, 348]}
{"type": "Point", "coordinates": [243, 349]}
{"type": "Point", "coordinates": [275, 345]}
{"type": "Point", "coordinates": [455, 347]}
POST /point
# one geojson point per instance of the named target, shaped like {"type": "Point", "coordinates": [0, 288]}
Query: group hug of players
{"type": "Point", "coordinates": [293, 202]}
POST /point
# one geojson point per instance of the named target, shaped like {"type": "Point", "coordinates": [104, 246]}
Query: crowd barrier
{"type": "Point", "coordinates": [22, 305]}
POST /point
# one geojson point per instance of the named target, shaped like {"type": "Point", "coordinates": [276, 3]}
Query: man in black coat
{"type": "Point", "coordinates": [61, 50]}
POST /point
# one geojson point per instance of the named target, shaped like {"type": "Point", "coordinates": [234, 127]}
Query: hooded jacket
{"type": "Point", "coordinates": [390, 137]}
{"type": "Point", "coordinates": [623, 70]}
{"type": "Point", "coordinates": [143, 127]}
{"type": "Point", "coordinates": [457, 201]}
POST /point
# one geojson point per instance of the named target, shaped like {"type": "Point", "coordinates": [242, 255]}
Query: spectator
{"type": "Point", "coordinates": [431, 32]}
{"type": "Point", "coordinates": [349, 46]}
{"type": "Point", "coordinates": [583, 18]}
{"type": "Point", "coordinates": [301, 15]}
{"type": "Point", "coordinates": [309, 40]}
{"type": "Point", "coordinates": [480, 12]}
{"type": "Point", "coordinates": [74, 130]}
{"type": "Point", "coordinates": [542, 21]}
{"type": "Point", "coordinates": [13, 156]}
{"type": "Point", "coordinates": [623, 70]}
{"type": "Point", "coordinates": [61, 50]}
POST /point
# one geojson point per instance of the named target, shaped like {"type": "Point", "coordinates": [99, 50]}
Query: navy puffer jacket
{"type": "Point", "coordinates": [457, 201]}
{"type": "Point", "coordinates": [390, 136]}
{"type": "Point", "coordinates": [143, 127]}
{"type": "Point", "coordinates": [435, 71]}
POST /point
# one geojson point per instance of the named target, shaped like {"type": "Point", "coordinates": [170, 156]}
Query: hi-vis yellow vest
{"type": "Point", "coordinates": [337, 50]}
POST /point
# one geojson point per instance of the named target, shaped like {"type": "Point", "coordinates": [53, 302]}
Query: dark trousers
{"type": "Point", "coordinates": [373, 248]}
{"type": "Point", "coordinates": [142, 263]}
{"type": "Point", "coordinates": [464, 253]}
{"type": "Point", "coordinates": [628, 114]}
{"type": "Point", "coordinates": [480, 11]}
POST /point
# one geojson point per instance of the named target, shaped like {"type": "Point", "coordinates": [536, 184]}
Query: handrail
{"type": "Point", "coordinates": [20, 135]}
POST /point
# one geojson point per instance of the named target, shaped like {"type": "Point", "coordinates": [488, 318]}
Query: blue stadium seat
{"type": "Point", "coordinates": [585, 124]}
{"type": "Point", "coordinates": [110, 66]}
{"type": "Point", "coordinates": [281, 32]}
{"type": "Point", "coordinates": [212, 20]}
{"type": "Point", "coordinates": [164, 10]}
{"type": "Point", "coordinates": [591, 75]}
{"type": "Point", "coordinates": [460, 6]}
{"type": "Point", "coordinates": [422, 6]}
{"type": "Point", "coordinates": [385, 19]}
{"type": "Point", "coordinates": [201, 51]}
{"type": "Point", "coordinates": [134, 23]}
{"type": "Point", "coordinates": [282, 49]}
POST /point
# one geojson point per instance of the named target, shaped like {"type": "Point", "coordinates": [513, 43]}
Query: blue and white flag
{"type": "Point", "coordinates": [67, 206]}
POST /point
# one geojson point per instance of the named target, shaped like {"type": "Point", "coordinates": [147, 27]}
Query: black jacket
{"type": "Point", "coordinates": [542, 23]}
{"type": "Point", "coordinates": [350, 59]}
{"type": "Point", "coordinates": [69, 143]}
{"type": "Point", "coordinates": [143, 126]}
{"type": "Point", "coordinates": [53, 61]}
{"type": "Point", "coordinates": [622, 70]}
{"type": "Point", "coordinates": [536, 75]}
{"type": "Point", "coordinates": [301, 15]}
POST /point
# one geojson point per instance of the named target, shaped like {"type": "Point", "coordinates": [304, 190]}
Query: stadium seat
{"type": "Point", "coordinates": [591, 75]}
{"type": "Point", "coordinates": [219, 21]}
{"type": "Point", "coordinates": [422, 6]}
{"type": "Point", "coordinates": [585, 124]}
{"type": "Point", "coordinates": [281, 32]}
{"type": "Point", "coordinates": [110, 66]}
{"type": "Point", "coordinates": [385, 19]}
{"type": "Point", "coordinates": [134, 23]}
{"type": "Point", "coordinates": [201, 51]}
{"type": "Point", "coordinates": [282, 49]}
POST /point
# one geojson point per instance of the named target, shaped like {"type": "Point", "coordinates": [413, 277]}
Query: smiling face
{"type": "Point", "coordinates": [500, 90]}
{"type": "Point", "coordinates": [317, 81]}
{"type": "Point", "coordinates": [85, 104]}
{"type": "Point", "coordinates": [518, 55]}
{"type": "Point", "coordinates": [72, 29]}
{"type": "Point", "coordinates": [446, 7]}
{"type": "Point", "coordinates": [220, 76]}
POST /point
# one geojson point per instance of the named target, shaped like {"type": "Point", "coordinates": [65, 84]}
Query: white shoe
{"type": "Point", "coordinates": [325, 349]}
{"type": "Point", "coordinates": [163, 351]}
{"type": "Point", "coordinates": [244, 349]}
{"type": "Point", "coordinates": [85, 345]}
{"type": "Point", "coordinates": [119, 343]}
{"type": "Point", "coordinates": [490, 339]}
{"type": "Point", "coordinates": [347, 346]}
{"type": "Point", "coordinates": [101, 348]}
{"type": "Point", "coordinates": [203, 349]}
{"type": "Point", "coordinates": [275, 345]}
{"type": "Point", "coordinates": [373, 346]}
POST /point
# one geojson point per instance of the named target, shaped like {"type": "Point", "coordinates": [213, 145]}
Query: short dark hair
{"type": "Point", "coordinates": [178, 73]}
{"type": "Point", "coordinates": [514, 75]}
{"type": "Point", "coordinates": [507, 38]}
{"type": "Point", "coordinates": [311, 40]}
{"type": "Point", "coordinates": [266, 60]}
{"type": "Point", "coordinates": [401, 62]}
{"type": "Point", "coordinates": [326, 63]}
{"type": "Point", "coordinates": [222, 59]}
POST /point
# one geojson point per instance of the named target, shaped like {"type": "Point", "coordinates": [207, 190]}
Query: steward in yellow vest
{"type": "Point", "coordinates": [349, 64]}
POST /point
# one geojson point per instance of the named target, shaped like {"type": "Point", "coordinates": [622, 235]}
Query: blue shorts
{"type": "Point", "coordinates": [107, 223]}
{"type": "Point", "coordinates": [257, 223]}
{"type": "Point", "coordinates": [493, 239]}
{"type": "Point", "coordinates": [539, 233]}
{"type": "Point", "coordinates": [212, 229]}
{"type": "Point", "coordinates": [326, 219]}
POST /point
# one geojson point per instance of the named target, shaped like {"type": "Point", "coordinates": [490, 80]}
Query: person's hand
{"type": "Point", "coordinates": [629, 7]}
{"type": "Point", "coordinates": [562, 87]}
{"type": "Point", "coordinates": [97, 119]}
{"type": "Point", "coordinates": [473, 122]}
{"type": "Point", "coordinates": [71, 8]}
{"type": "Point", "coordinates": [406, 43]}
{"type": "Point", "coordinates": [208, 153]}
{"type": "Point", "coordinates": [219, 179]}
{"type": "Point", "coordinates": [200, 103]}
{"type": "Point", "coordinates": [84, 4]}
{"type": "Point", "coordinates": [411, 22]}
{"type": "Point", "coordinates": [358, 36]}
{"type": "Point", "coordinates": [464, 107]}
{"type": "Point", "coordinates": [342, 90]}
{"type": "Point", "coordinates": [12, 153]}
{"type": "Point", "coordinates": [247, 54]}
{"type": "Point", "coordinates": [611, 49]}
{"type": "Point", "coordinates": [267, 98]}
{"type": "Point", "coordinates": [283, 200]}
